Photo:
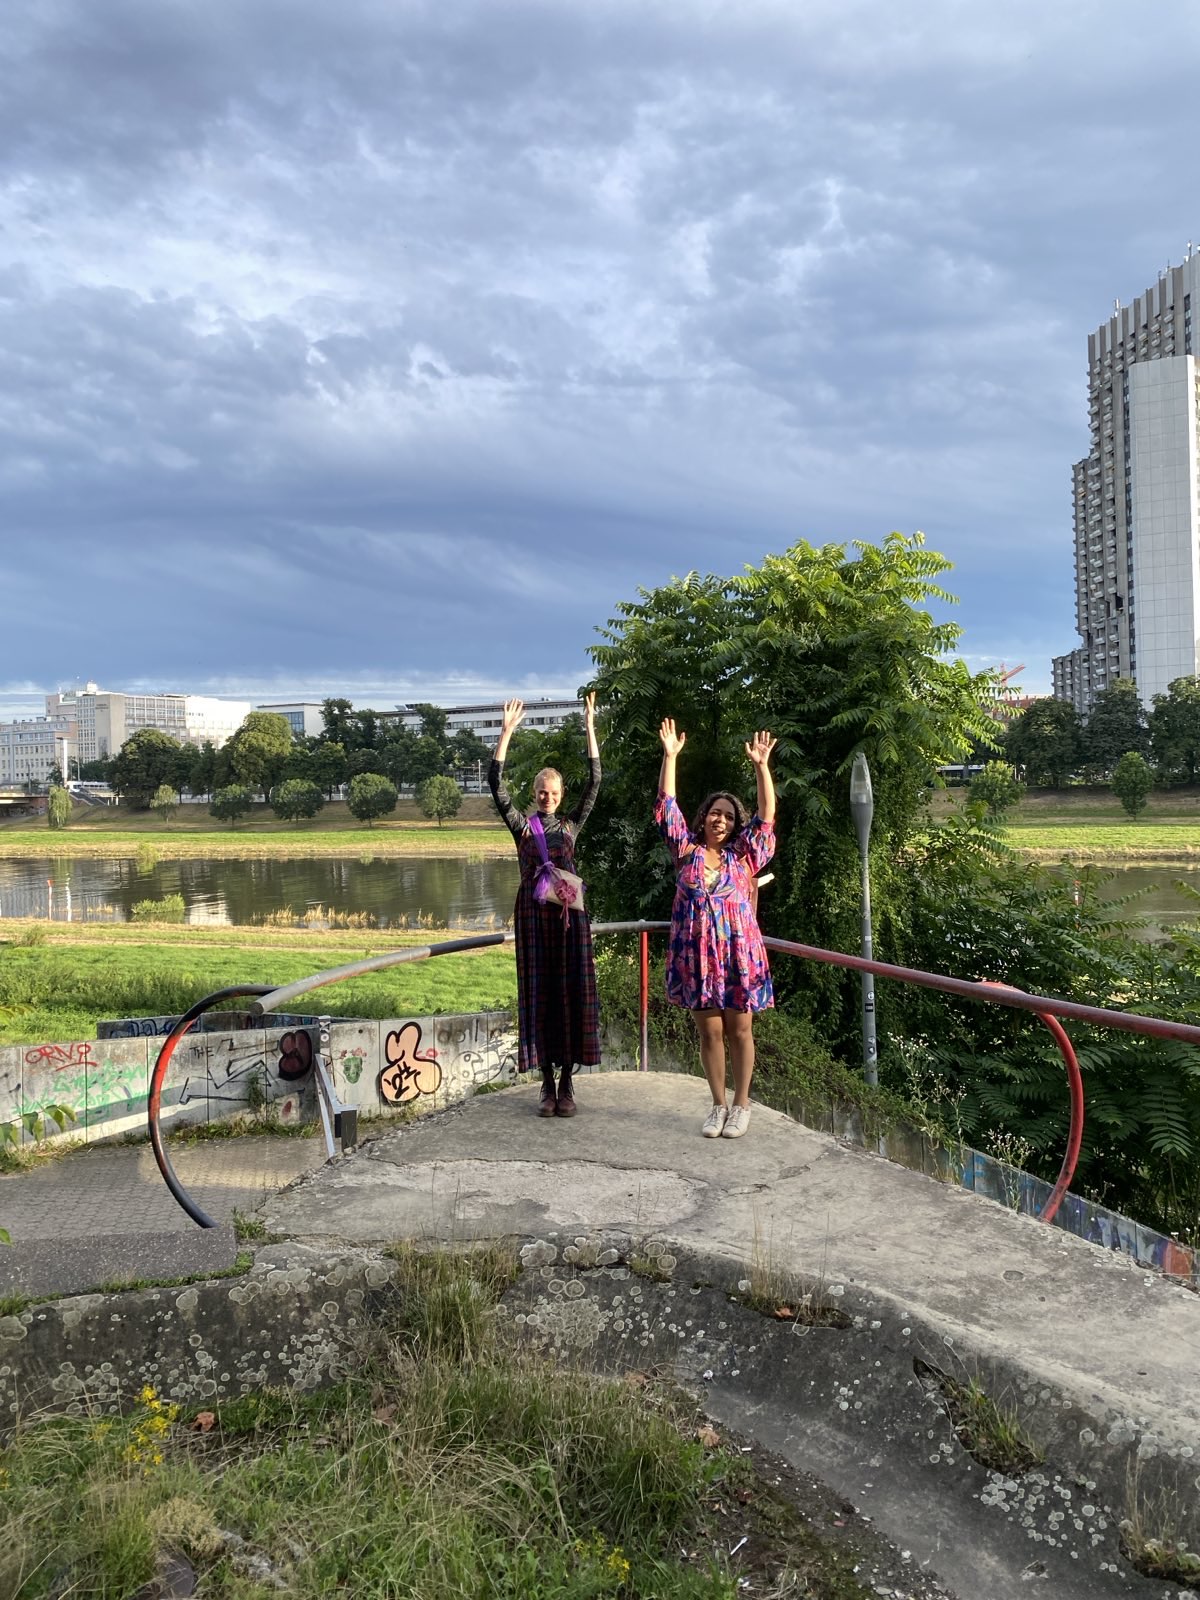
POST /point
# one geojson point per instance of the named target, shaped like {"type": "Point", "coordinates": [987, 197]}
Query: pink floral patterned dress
{"type": "Point", "coordinates": [717, 960]}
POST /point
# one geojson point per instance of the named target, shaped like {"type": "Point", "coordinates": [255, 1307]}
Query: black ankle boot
{"type": "Point", "coordinates": [547, 1100]}
{"type": "Point", "coordinates": [566, 1096]}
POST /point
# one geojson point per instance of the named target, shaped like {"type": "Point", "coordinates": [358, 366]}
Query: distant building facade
{"type": "Point", "coordinates": [303, 715]}
{"type": "Point", "coordinates": [486, 721]}
{"type": "Point", "coordinates": [105, 719]}
{"type": "Point", "coordinates": [30, 749]}
{"type": "Point", "coordinates": [1137, 500]}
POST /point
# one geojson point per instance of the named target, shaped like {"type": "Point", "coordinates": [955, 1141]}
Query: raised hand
{"type": "Point", "coordinates": [672, 742]}
{"type": "Point", "coordinates": [514, 711]}
{"type": "Point", "coordinates": [759, 748]}
{"type": "Point", "coordinates": [589, 709]}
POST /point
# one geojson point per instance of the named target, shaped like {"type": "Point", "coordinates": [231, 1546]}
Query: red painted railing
{"type": "Point", "coordinates": [1048, 1009]}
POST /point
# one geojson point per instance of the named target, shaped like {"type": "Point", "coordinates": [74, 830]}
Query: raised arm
{"type": "Point", "coordinates": [759, 750]}
{"type": "Point", "coordinates": [514, 711]}
{"type": "Point", "coordinates": [581, 812]}
{"type": "Point", "coordinates": [515, 821]}
{"type": "Point", "coordinates": [672, 744]}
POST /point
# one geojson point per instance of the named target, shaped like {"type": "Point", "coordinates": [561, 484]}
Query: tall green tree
{"type": "Point", "coordinates": [1175, 732]}
{"type": "Point", "coordinates": [259, 750]}
{"type": "Point", "coordinates": [327, 766]}
{"type": "Point", "coordinates": [58, 813]}
{"type": "Point", "coordinates": [427, 759]}
{"type": "Point", "coordinates": [434, 721]}
{"type": "Point", "coordinates": [144, 762]}
{"type": "Point", "coordinates": [835, 651]}
{"type": "Point", "coordinates": [230, 803]}
{"type": "Point", "coordinates": [371, 796]}
{"type": "Point", "coordinates": [338, 719]}
{"type": "Point", "coordinates": [466, 748]}
{"type": "Point", "coordinates": [1047, 740]}
{"type": "Point", "coordinates": [1117, 724]}
{"type": "Point", "coordinates": [296, 800]}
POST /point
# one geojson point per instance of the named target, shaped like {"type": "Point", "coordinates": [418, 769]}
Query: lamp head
{"type": "Point", "coordinates": [862, 802]}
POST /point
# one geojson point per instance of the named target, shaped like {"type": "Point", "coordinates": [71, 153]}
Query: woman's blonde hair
{"type": "Point", "coordinates": [548, 772]}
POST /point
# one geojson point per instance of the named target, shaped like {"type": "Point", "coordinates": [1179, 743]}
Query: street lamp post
{"type": "Point", "coordinates": [862, 808]}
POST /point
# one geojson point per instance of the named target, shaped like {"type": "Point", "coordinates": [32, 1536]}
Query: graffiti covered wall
{"type": "Point", "coordinates": [382, 1068]}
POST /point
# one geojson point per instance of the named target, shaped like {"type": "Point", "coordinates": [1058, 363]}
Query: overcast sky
{"type": "Point", "coordinates": [381, 348]}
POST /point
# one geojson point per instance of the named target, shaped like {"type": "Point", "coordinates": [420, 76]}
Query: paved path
{"type": "Point", "coordinates": [103, 1214]}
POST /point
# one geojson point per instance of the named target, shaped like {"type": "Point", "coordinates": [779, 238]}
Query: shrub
{"type": "Point", "coordinates": [170, 908]}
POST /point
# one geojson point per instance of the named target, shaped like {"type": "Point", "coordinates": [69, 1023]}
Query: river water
{"type": "Point", "coordinates": [425, 891]}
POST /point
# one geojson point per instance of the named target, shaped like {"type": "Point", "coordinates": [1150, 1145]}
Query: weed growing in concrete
{"type": "Point", "coordinates": [12, 1305]}
{"type": "Point", "coordinates": [651, 1267]}
{"type": "Point", "coordinates": [446, 1299]}
{"type": "Point", "coordinates": [1155, 1532]}
{"type": "Point", "coordinates": [777, 1291]}
{"type": "Point", "coordinates": [250, 1230]}
{"type": "Point", "coordinates": [990, 1433]}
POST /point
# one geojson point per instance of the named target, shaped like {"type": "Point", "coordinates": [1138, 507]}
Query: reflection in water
{"type": "Point", "coordinates": [429, 891]}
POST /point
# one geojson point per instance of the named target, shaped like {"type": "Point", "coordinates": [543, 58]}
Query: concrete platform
{"type": "Point", "coordinates": [1121, 1342]}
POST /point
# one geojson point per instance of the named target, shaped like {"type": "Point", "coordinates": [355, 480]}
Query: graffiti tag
{"type": "Point", "coordinates": [408, 1073]}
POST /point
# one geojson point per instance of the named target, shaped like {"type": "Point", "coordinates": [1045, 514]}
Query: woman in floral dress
{"type": "Point", "coordinates": [717, 964]}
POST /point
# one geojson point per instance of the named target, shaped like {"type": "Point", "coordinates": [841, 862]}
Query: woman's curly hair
{"type": "Point", "coordinates": [740, 815]}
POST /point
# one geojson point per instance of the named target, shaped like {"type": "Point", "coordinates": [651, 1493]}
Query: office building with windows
{"type": "Point", "coordinates": [105, 720]}
{"type": "Point", "coordinates": [486, 720]}
{"type": "Point", "coordinates": [1136, 493]}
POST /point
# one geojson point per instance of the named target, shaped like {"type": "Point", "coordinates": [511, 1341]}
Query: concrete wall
{"type": "Point", "coordinates": [381, 1068]}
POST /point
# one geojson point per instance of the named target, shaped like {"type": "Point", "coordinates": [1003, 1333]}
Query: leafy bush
{"type": "Point", "coordinates": [1132, 782]}
{"type": "Point", "coordinates": [997, 788]}
{"type": "Point", "coordinates": [170, 908]}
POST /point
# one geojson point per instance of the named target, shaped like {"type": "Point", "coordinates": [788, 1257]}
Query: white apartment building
{"type": "Point", "coordinates": [1137, 500]}
{"type": "Point", "coordinates": [106, 719]}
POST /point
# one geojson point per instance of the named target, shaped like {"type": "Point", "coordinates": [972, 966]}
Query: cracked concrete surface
{"type": "Point", "coordinates": [1122, 1342]}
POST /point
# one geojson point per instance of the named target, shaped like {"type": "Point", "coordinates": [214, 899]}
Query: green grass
{"type": "Point", "coordinates": [60, 989]}
{"type": "Point", "coordinates": [117, 831]}
{"type": "Point", "coordinates": [448, 1465]}
{"type": "Point", "coordinates": [1106, 838]}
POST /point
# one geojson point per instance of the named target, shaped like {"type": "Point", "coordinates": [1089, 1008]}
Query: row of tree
{"type": "Point", "coordinates": [1053, 744]}
{"type": "Point", "coordinates": [264, 754]}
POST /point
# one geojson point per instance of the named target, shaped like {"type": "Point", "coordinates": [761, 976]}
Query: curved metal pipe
{"type": "Point", "coordinates": [154, 1097]}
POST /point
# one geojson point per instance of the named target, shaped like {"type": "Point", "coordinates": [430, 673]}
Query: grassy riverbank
{"type": "Point", "coordinates": [57, 980]}
{"type": "Point", "coordinates": [1090, 825]}
{"type": "Point", "coordinates": [117, 831]}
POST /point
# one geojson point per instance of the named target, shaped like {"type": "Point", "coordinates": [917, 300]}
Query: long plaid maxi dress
{"type": "Point", "coordinates": [558, 1014]}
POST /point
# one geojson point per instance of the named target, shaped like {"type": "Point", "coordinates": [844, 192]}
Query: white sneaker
{"type": "Point", "coordinates": [714, 1122]}
{"type": "Point", "coordinates": [736, 1122]}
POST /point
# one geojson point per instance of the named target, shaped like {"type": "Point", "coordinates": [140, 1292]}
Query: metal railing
{"type": "Point", "coordinates": [340, 1121]}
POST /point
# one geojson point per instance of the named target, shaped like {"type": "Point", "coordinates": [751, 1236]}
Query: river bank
{"type": "Point", "coordinates": [116, 831]}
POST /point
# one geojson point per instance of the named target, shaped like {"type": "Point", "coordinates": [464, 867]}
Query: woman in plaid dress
{"type": "Point", "coordinates": [557, 1010]}
{"type": "Point", "coordinates": [717, 962]}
